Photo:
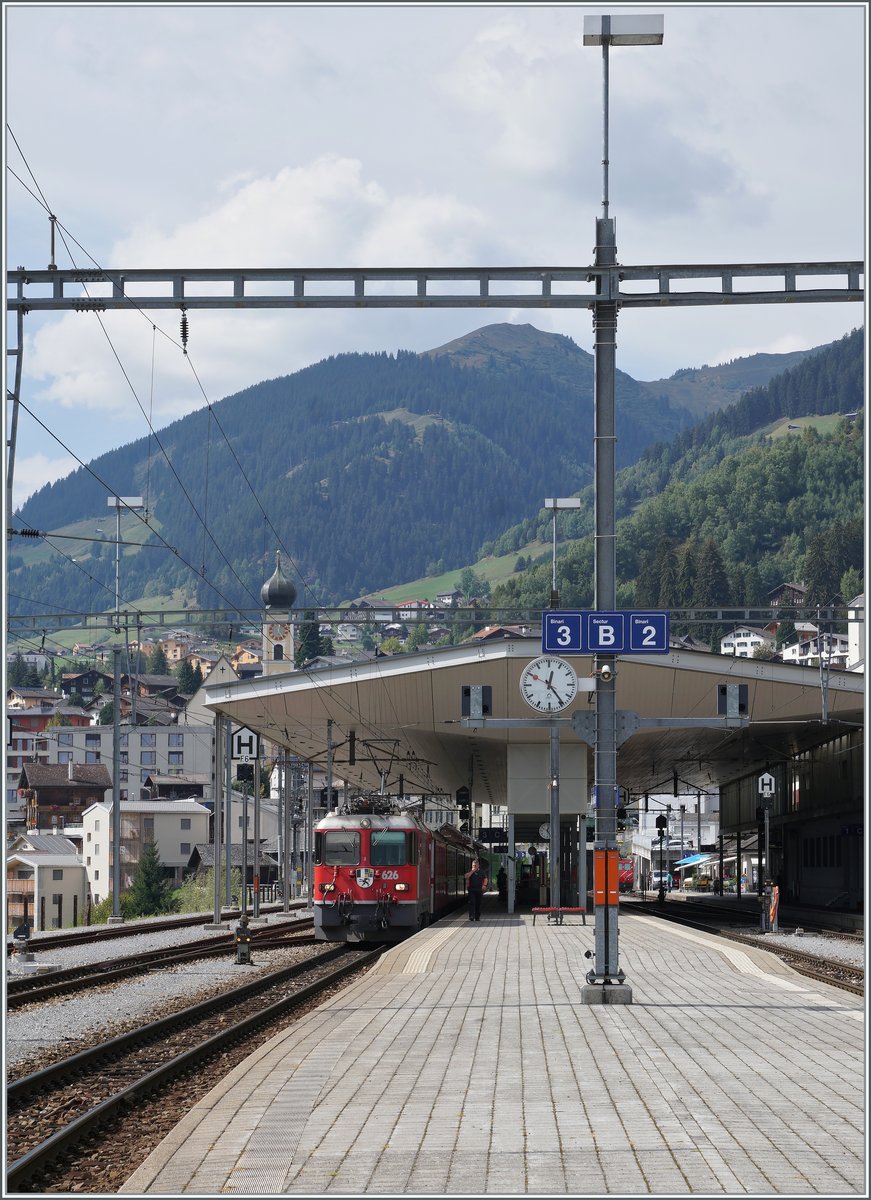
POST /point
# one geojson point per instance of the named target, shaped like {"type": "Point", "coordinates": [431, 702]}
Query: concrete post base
{"type": "Point", "coordinates": [606, 993]}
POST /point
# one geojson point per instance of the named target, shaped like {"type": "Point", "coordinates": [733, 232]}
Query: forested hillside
{"type": "Point", "coordinates": [726, 512]}
{"type": "Point", "coordinates": [373, 469]}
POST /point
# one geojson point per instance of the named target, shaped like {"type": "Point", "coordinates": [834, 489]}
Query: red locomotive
{"type": "Point", "coordinates": [380, 874]}
{"type": "Point", "coordinates": [626, 874]}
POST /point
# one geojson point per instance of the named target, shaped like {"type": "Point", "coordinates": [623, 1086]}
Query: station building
{"type": "Point", "coordinates": [405, 712]}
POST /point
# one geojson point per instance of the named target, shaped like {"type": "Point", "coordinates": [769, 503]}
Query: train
{"type": "Point", "coordinates": [626, 874]}
{"type": "Point", "coordinates": [380, 874]}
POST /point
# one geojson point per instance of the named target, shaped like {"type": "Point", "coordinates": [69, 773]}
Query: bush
{"type": "Point", "coordinates": [197, 893]}
{"type": "Point", "coordinates": [100, 913]}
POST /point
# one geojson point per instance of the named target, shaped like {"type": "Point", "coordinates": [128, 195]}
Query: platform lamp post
{"type": "Point", "coordinates": [118, 503]}
{"type": "Point", "coordinates": [555, 505]}
{"type": "Point", "coordinates": [606, 980]}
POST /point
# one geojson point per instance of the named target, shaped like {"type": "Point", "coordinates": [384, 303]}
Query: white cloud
{"type": "Point", "coordinates": [416, 135]}
{"type": "Point", "coordinates": [325, 213]}
{"type": "Point", "coordinates": [36, 470]}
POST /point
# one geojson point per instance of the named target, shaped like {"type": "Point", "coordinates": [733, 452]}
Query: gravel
{"type": "Point", "coordinates": [58, 1026]}
{"type": "Point", "coordinates": [846, 950]}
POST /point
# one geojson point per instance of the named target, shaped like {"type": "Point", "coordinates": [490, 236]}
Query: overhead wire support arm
{"type": "Point", "coordinates": [455, 287]}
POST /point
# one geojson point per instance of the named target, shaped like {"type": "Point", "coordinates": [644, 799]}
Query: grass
{"type": "Point", "coordinates": [823, 425]}
{"type": "Point", "coordinates": [494, 569]}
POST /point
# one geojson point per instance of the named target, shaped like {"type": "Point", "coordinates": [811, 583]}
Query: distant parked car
{"type": "Point", "coordinates": [661, 879]}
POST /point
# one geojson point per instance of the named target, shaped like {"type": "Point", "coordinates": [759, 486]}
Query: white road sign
{"type": "Point", "coordinates": [766, 785]}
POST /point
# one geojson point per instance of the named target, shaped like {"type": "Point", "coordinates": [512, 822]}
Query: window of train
{"type": "Point", "coordinates": [338, 848]}
{"type": "Point", "coordinates": [387, 848]}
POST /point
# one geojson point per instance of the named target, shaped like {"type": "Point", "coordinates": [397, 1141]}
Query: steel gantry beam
{"type": "Point", "coordinates": [20, 624]}
{"type": "Point", "coordinates": [102, 290]}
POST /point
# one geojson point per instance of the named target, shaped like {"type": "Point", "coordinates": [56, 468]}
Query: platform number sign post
{"type": "Point", "coordinates": [592, 632]}
{"type": "Point", "coordinates": [245, 750]}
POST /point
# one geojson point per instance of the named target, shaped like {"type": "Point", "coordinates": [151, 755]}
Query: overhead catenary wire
{"type": "Point", "coordinates": [229, 603]}
{"type": "Point", "coordinates": [136, 307]}
{"type": "Point", "coordinates": [132, 389]}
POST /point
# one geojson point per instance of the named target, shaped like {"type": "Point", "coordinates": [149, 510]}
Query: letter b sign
{"type": "Point", "coordinates": [606, 632]}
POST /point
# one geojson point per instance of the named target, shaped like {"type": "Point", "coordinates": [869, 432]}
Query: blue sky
{"type": "Point", "coordinates": [410, 135]}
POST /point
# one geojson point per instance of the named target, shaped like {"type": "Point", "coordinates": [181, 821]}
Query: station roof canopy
{"type": "Point", "coordinates": [405, 712]}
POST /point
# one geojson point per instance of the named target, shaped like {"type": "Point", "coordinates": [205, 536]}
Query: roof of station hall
{"type": "Point", "coordinates": [405, 711]}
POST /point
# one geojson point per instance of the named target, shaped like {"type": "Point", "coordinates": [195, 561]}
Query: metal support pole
{"type": "Point", "coordinates": [295, 859]}
{"type": "Point", "coordinates": [309, 835]}
{"type": "Point", "coordinates": [15, 397]}
{"type": "Point", "coordinates": [512, 870]}
{"type": "Point", "coordinates": [683, 808]}
{"type": "Point", "coordinates": [554, 817]}
{"type": "Point", "coordinates": [329, 804]}
{"type": "Point", "coordinates": [256, 851]}
{"type": "Point", "coordinates": [582, 863]}
{"type": "Point", "coordinates": [289, 852]}
{"type": "Point", "coordinates": [116, 781]}
{"type": "Point", "coordinates": [228, 823]}
{"type": "Point", "coordinates": [218, 813]}
{"type": "Point", "coordinates": [244, 847]}
{"type": "Point", "coordinates": [607, 970]}
{"type": "Point", "coordinates": [738, 866]}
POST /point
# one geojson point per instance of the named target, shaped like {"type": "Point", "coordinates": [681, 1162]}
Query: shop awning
{"type": "Point", "coordinates": [694, 860]}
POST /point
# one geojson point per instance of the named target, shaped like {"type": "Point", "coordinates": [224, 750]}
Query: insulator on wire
{"type": "Point", "coordinates": [184, 331]}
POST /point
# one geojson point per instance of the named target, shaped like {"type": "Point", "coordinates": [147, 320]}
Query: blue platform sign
{"type": "Point", "coordinates": [596, 632]}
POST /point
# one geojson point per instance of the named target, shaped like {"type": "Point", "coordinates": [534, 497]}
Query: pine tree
{"type": "Point", "coordinates": [712, 588]}
{"type": "Point", "coordinates": [157, 663]}
{"type": "Point", "coordinates": [149, 892]}
{"type": "Point", "coordinates": [185, 675]}
{"type": "Point", "coordinates": [308, 643]}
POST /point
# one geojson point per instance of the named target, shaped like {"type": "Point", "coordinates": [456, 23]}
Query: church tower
{"type": "Point", "coordinates": [278, 595]}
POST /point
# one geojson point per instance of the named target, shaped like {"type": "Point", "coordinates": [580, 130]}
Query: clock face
{"type": "Point", "coordinates": [548, 684]}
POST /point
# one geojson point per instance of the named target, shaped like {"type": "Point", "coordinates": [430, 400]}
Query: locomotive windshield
{"type": "Point", "coordinates": [337, 848]}
{"type": "Point", "coordinates": [387, 848]}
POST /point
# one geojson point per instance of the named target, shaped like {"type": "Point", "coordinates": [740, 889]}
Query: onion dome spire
{"type": "Point", "coordinates": [278, 593]}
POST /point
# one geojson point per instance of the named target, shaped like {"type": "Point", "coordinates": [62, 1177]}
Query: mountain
{"type": "Point", "coordinates": [369, 468]}
{"type": "Point", "coordinates": [696, 390]}
{"type": "Point", "coordinates": [770, 489]}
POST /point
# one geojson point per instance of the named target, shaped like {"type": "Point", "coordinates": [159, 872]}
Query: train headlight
{"type": "Point", "coordinates": [402, 887]}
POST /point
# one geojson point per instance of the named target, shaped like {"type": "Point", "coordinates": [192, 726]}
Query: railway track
{"type": "Point", "coordinates": [53, 1113]}
{"type": "Point", "coordinates": [33, 989]}
{"type": "Point", "coordinates": [824, 970]}
{"type": "Point", "coordinates": [98, 933]}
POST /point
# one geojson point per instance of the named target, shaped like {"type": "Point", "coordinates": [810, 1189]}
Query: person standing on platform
{"type": "Point", "coordinates": [476, 886]}
{"type": "Point", "coordinates": [502, 884]}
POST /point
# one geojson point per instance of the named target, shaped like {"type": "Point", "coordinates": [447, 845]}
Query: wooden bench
{"type": "Point", "coordinates": [556, 914]}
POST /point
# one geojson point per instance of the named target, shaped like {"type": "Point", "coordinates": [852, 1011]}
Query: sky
{"type": "Point", "coordinates": [406, 135]}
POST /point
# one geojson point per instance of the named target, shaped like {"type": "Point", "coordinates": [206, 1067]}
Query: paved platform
{"type": "Point", "coordinates": [464, 1064]}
